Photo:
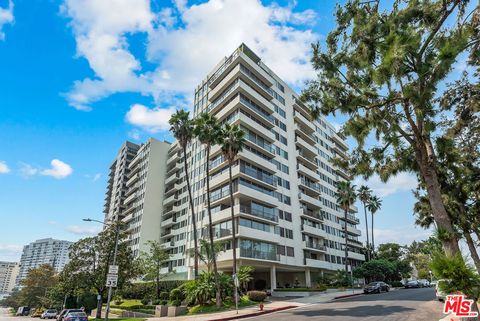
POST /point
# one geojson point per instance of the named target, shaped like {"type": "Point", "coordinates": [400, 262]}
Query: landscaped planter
{"type": "Point", "coordinates": [294, 293]}
{"type": "Point", "coordinates": [176, 311]}
{"type": "Point", "coordinates": [161, 311]}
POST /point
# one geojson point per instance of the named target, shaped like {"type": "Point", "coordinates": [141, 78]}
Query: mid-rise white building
{"type": "Point", "coordinates": [44, 251]}
{"type": "Point", "coordinates": [289, 226]}
{"type": "Point", "coordinates": [8, 275]}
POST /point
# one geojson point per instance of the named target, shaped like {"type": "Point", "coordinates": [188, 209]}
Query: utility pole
{"type": "Point", "coordinates": [109, 297]}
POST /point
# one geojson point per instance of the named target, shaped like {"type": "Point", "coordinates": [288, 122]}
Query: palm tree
{"type": "Point", "coordinates": [364, 194]}
{"type": "Point", "coordinates": [373, 205]}
{"type": "Point", "coordinates": [346, 196]}
{"type": "Point", "coordinates": [233, 139]}
{"type": "Point", "coordinates": [208, 131]}
{"type": "Point", "coordinates": [182, 130]}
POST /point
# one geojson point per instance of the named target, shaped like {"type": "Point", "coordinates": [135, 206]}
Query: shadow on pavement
{"type": "Point", "coordinates": [370, 310]}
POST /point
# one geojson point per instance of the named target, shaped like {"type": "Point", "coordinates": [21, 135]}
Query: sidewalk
{"type": "Point", "coordinates": [277, 303]}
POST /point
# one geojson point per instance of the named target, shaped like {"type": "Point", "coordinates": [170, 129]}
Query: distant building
{"type": "Point", "coordinates": [135, 191]}
{"type": "Point", "coordinates": [8, 275]}
{"type": "Point", "coordinates": [44, 251]}
{"type": "Point", "coordinates": [117, 180]}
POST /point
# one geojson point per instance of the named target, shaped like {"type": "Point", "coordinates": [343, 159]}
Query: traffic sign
{"type": "Point", "coordinates": [113, 269]}
{"type": "Point", "coordinates": [112, 280]}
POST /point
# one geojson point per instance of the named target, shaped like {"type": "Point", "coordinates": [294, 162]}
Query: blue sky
{"type": "Point", "coordinates": [79, 77]}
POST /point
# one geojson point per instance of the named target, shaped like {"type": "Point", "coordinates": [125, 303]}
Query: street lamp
{"type": "Point", "coordinates": [117, 230]}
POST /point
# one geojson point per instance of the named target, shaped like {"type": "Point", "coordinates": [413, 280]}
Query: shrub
{"type": "Point", "coordinates": [145, 300]}
{"type": "Point", "coordinates": [257, 296]}
{"type": "Point", "coordinates": [396, 284]}
{"type": "Point", "coordinates": [176, 297]}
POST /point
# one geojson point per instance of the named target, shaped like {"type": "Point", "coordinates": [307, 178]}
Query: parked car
{"type": "Point", "coordinates": [64, 312]}
{"type": "Point", "coordinates": [23, 311]}
{"type": "Point", "coordinates": [376, 287]}
{"type": "Point", "coordinates": [423, 283]}
{"type": "Point", "coordinates": [75, 316]}
{"type": "Point", "coordinates": [49, 314]}
{"type": "Point", "coordinates": [37, 313]}
{"type": "Point", "coordinates": [412, 284]}
{"type": "Point", "coordinates": [439, 294]}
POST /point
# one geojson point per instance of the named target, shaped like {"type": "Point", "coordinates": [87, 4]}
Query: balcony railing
{"type": "Point", "coordinates": [314, 186]}
{"type": "Point", "coordinates": [315, 246]}
{"type": "Point", "coordinates": [256, 109]}
{"type": "Point", "coordinates": [253, 77]}
{"type": "Point", "coordinates": [247, 253]}
{"type": "Point", "coordinates": [313, 214]}
{"type": "Point", "coordinates": [269, 179]}
{"type": "Point", "coordinates": [261, 214]}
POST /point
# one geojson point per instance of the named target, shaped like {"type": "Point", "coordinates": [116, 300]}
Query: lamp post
{"type": "Point", "coordinates": [117, 231]}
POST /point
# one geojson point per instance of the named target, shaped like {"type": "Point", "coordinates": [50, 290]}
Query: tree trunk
{"type": "Point", "coordinates": [472, 248]}
{"type": "Point", "coordinates": [212, 245]}
{"type": "Point", "coordinates": [366, 230]}
{"type": "Point", "coordinates": [346, 240]}
{"type": "Point", "coordinates": [373, 240]}
{"type": "Point", "coordinates": [425, 158]}
{"type": "Point", "coordinates": [194, 220]}
{"type": "Point", "coordinates": [232, 213]}
{"type": "Point", "coordinates": [157, 281]}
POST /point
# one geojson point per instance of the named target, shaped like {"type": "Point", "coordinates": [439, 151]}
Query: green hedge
{"type": "Point", "coordinates": [134, 308]}
{"type": "Point", "coordinates": [147, 289]}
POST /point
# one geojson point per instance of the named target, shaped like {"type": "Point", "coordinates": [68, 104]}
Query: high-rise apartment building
{"type": "Point", "coordinates": [117, 179]}
{"type": "Point", "coordinates": [8, 275]}
{"type": "Point", "coordinates": [289, 226]}
{"type": "Point", "coordinates": [44, 251]}
{"type": "Point", "coordinates": [144, 194]}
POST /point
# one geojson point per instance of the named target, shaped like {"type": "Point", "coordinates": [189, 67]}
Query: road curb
{"type": "Point", "coordinates": [346, 296]}
{"type": "Point", "coordinates": [250, 315]}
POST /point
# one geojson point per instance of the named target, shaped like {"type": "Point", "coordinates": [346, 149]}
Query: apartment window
{"type": "Point", "coordinates": [290, 251]}
{"type": "Point", "coordinates": [281, 249]}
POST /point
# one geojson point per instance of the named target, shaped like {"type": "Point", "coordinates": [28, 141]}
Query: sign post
{"type": "Point", "coordinates": [236, 284]}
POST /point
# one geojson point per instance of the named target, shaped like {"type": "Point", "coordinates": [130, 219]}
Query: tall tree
{"type": "Point", "coordinates": [232, 141]}
{"type": "Point", "coordinates": [374, 204]}
{"type": "Point", "coordinates": [208, 131]}
{"type": "Point", "coordinates": [182, 130]}
{"type": "Point", "coordinates": [346, 196]}
{"type": "Point", "coordinates": [383, 68]}
{"type": "Point", "coordinates": [152, 262]}
{"type": "Point", "coordinates": [90, 258]}
{"type": "Point", "coordinates": [364, 193]}
{"type": "Point", "coordinates": [36, 285]}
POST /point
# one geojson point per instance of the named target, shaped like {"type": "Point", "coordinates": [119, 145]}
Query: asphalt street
{"type": "Point", "coordinates": [399, 305]}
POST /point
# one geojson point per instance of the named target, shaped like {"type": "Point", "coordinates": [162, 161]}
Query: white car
{"type": "Point", "coordinates": [49, 314]}
{"type": "Point", "coordinates": [423, 283]}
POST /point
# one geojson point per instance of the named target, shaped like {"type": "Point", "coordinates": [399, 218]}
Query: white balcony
{"type": "Point", "coordinates": [168, 222]}
{"type": "Point", "coordinates": [132, 180]}
{"type": "Point", "coordinates": [356, 256]}
{"type": "Point", "coordinates": [251, 233]}
{"type": "Point", "coordinates": [351, 230]}
{"type": "Point", "coordinates": [307, 160]}
{"type": "Point", "coordinates": [169, 200]}
{"type": "Point", "coordinates": [313, 231]}
{"type": "Point", "coordinates": [314, 247]}
{"type": "Point", "coordinates": [130, 198]}
{"type": "Point", "coordinates": [308, 148]}
{"type": "Point", "coordinates": [309, 200]}
{"type": "Point", "coordinates": [170, 179]}
{"type": "Point", "coordinates": [257, 160]}
{"type": "Point", "coordinates": [308, 172]}
{"type": "Point", "coordinates": [323, 265]}
{"type": "Point", "coordinates": [304, 122]}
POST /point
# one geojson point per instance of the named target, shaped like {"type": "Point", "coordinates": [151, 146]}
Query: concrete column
{"type": "Point", "coordinates": [273, 277]}
{"type": "Point", "coordinates": [308, 281]}
{"type": "Point", "coordinates": [190, 275]}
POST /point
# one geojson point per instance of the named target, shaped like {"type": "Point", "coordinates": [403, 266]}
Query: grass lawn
{"type": "Point", "coordinates": [198, 309]}
{"type": "Point", "coordinates": [129, 303]}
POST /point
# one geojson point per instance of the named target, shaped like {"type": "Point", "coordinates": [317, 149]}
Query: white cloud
{"type": "Point", "coordinates": [59, 169]}
{"type": "Point", "coordinates": [151, 120]}
{"type": "Point", "coordinates": [83, 230]}
{"type": "Point", "coordinates": [184, 44]}
{"type": "Point", "coordinates": [96, 177]}
{"type": "Point", "coordinates": [6, 17]}
{"type": "Point", "coordinates": [28, 170]}
{"type": "Point", "coordinates": [4, 169]}
{"type": "Point", "coordinates": [399, 183]}
{"type": "Point", "coordinates": [401, 235]}
{"type": "Point", "coordinates": [10, 252]}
